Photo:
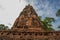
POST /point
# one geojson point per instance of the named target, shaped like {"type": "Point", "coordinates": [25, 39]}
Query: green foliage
{"type": "Point", "coordinates": [47, 22]}
{"type": "Point", "coordinates": [40, 18]}
{"type": "Point", "coordinates": [58, 13]}
{"type": "Point", "coordinates": [3, 27]}
{"type": "Point", "coordinates": [58, 26]}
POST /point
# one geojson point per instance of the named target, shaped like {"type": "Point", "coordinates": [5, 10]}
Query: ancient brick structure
{"type": "Point", "coordinates": [28, 27]}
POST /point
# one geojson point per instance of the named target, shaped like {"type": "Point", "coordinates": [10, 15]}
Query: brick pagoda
{"type": "Point", "coordinates": [28, 27]}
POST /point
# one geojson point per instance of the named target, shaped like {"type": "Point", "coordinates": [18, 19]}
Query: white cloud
{"type": "Point", "coordinates": [45, 8]}
{"type": "Point", "coordinates": [11, 11]}
{"type": "Point", "coordinates": [12, 8]}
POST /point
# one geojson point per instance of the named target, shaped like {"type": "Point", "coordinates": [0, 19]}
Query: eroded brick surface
{"type": "Point", "coordinates": [28, 27]}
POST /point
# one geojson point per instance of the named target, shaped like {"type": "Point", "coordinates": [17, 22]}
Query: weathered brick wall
{"type": "Point", "coordinates": [16, 35]}
{"type": "Point", "coordinates": [28, 27]}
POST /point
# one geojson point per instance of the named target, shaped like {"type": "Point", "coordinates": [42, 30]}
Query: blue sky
{"type": "Point", "coordinates": [10, 9]}
{"type": "Point", "coordinates": [47, 8]}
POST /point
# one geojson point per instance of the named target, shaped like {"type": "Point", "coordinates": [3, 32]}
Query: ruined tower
{"type": "Point", "coordinates": [28, 27]}
{"type": "Point", "coordinates": [28, 19]}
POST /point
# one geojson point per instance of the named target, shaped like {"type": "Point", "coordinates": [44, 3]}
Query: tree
{"type": "Point", "coordinates": [40, 18]}
{"type": "Point", "coordinates": [3, 27]}
{"type": "Point", "coordinates": [58, 13]}
{"type": "Point", "coordinates": [59, 26]}
{"type": "Point", "coordinates": [47, 22]}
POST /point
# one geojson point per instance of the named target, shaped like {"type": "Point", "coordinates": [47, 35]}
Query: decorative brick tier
{"type": "Point", "coordinates": [28, 27]}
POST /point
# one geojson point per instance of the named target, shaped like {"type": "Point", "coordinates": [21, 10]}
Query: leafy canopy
{"type": "Point", "coordinates": [3, 27]}
{"type": "Point", "coordinates": [58, 13]}
{"type": "Point", "coordinates": [47, 22]}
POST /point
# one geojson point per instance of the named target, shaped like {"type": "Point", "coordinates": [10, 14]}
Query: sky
{"type": "Point", "coordinates": [47, 8]}
{"type": "Point", "coordinates": [10, 9]}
